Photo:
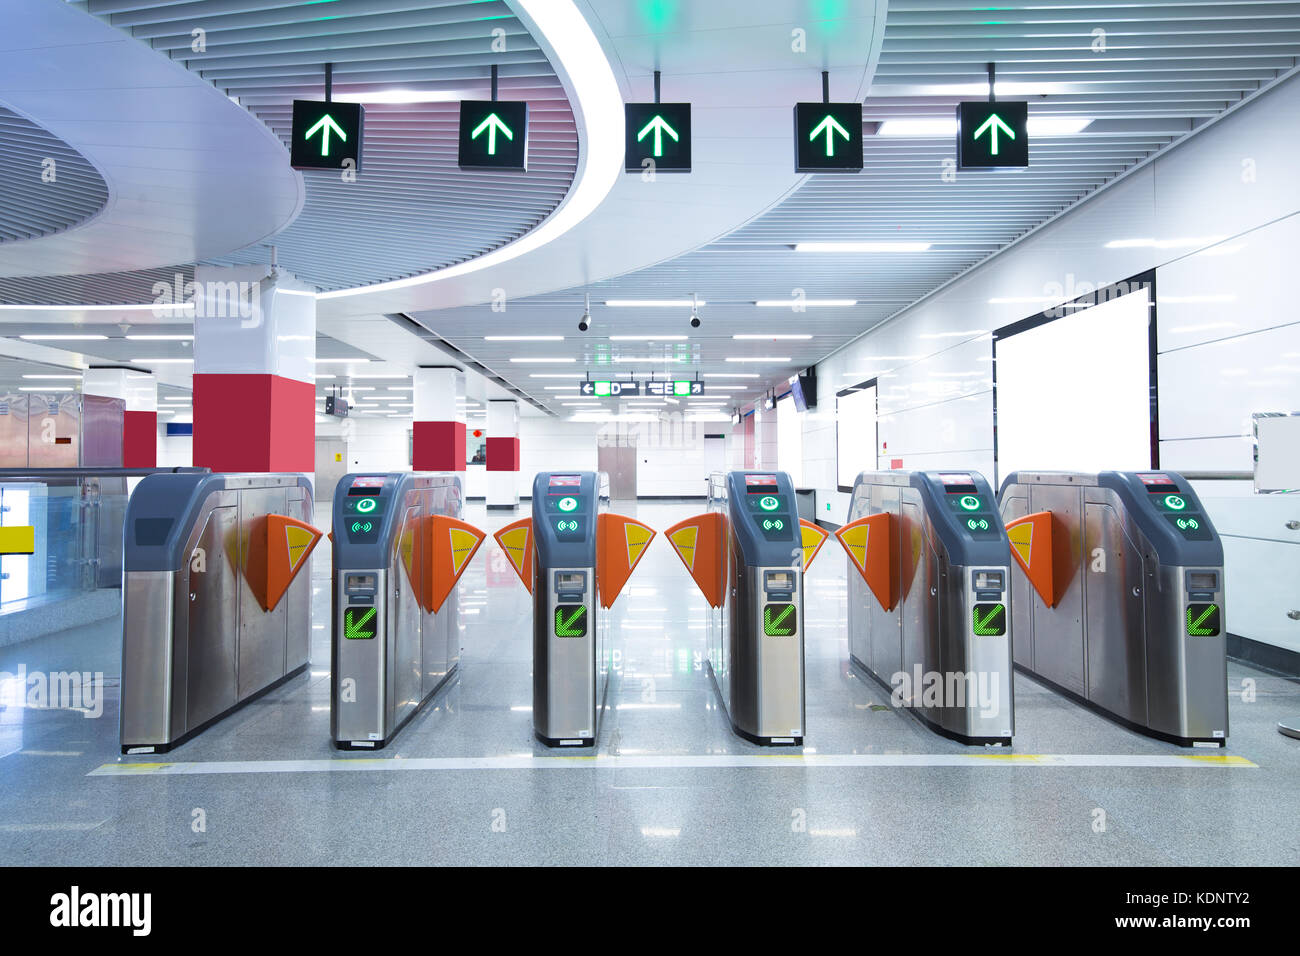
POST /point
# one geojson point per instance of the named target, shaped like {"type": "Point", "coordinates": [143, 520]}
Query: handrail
{"type": "Point", "coordinates": [8, 473]}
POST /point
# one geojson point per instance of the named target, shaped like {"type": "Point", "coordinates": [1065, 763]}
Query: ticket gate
{"type": "Point", "coordinates": [399, 550]}
{"type": "Point", "coordinates": [574, 556]}
{"type": "Point", "coordinates": [1119, 597]}
{"type": "Point", "coordinates": [748, 554]}
{"type": "Point", "coordinates": [928, 607]}
{"type": "Point", "coordinates": [215, 609]}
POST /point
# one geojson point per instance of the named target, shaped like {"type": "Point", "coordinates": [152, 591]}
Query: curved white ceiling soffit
{"type": "Point", "coordinates": [190, 175]}
{"type": "Point", "coordinates": [736, 61]}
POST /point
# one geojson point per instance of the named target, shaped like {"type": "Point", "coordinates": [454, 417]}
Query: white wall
{"type": "Point", "coordinates": [174, 451]}
{"type": "Point", "coordinates": [1217, 217]}
{"type": "Point", "coordinates": [1212, 218]}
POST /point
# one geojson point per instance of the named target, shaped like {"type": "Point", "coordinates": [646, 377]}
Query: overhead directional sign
{"type": "Point", "coordinates": [992, 135]}
{"type": "Point", "coordinates": [827, 137]}
{"type": "Point", "coordinates": [680, 389]}
{"type": "Point", "coordinates": [606, 389]}
{"type": "Point", "coordinates": [326, 135]}
{"type": "Point", "coordinates": [493, 135]}
{"type": "Point", "coordinates": [660, 132]}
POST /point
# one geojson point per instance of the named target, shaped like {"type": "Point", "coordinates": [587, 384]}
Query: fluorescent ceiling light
{"type": "Point", "coordinates": [72, 378]}
{"type": "Point", "coordinates": [369, 375]}
{"type": "Point", "coordinates": [774, 336]}
{"type": "Point", "coordinates": [151, 307]}
{"type": "Point", "coordinates": [523, 338]}
{"type": "Point", "coordinates": [45, 388]}
{"type": "Point", "coordinates": [63, 338]}
{"type": "Point", "coordinates": [544, 361]}
{"type": "Point", "coordinates": [648, 338]}
{"type": "Point", "coordinates": [939, 126]}
{"type": "Point", "coordinates": [759, 358]}
{"type": "Point", "coordinates": [731, 375]}
{"type": "Point", "coordinates": [861, 246]}
{"type": "Point", "coordinates": [161, 338]}
{"type": "Point", "coordinates": [559, 388]}
{"type": "Point", "coordinates": [556, 375]}
{"type": "Point", "coordinates": [403, 96]}
{"type": "Point", "coordinates": [597, 102]}
{"type": "Point", "coordinates": [1187, 243]}
{"type": "Point", "coordinates": [322, 361]}
{"type": "Point", "coordinates": [804, 303]}
{"type": "Point", "coordinates": [651, 360]}
{"type": "Point", "coordinates": [654, 303]}
{"type": "Point", "coordinates": [359, 388]}
{"type": "Point", "coordinates": [164, 361]}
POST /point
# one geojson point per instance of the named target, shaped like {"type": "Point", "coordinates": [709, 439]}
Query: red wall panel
{"type": "Point", "coordinates": [438, 446]}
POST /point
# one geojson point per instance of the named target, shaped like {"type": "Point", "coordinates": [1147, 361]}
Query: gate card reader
{"type": "Point", "coordinates": [930, 604]}
{"type": "Point", "coordinates": [1120, 597]}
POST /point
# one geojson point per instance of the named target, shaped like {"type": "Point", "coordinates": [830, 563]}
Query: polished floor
{"type": "Point", "coordinates": [668, 783]}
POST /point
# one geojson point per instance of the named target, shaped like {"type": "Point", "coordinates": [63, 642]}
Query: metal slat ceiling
{"type": "Point", "coordinates": [410, 209]}
{"type": "Point", "coordinates": [1167, 68]}
{"type": "Point", "coordinates": [31, 205]}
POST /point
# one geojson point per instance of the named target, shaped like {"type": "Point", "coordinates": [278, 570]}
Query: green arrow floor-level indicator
{"type": "Point", "coordinates": [989, 620]}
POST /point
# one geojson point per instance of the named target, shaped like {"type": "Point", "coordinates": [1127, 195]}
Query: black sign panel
{"type": "Point", "coordinates": [325, 135]}
{"type": "Point", "coordinates": [992, 135]}
{"type": "Point", "coordinates": [493, 135]}
{"type": "Point", "coordinates": [828, 137]}
{"type": "Point", "coordinates": [680, 389]}
{"type": "Point", "coordinates": [607, 389]}
{"type": "Point", "coordinates": [660, 132]}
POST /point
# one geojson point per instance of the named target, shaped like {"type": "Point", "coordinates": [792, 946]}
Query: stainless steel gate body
{"type": "Point", "coordinates": [1122, 636]}
{"type": "Point", "coordinates": [390, 654]}
{"type": "Point", "coordinates": [756, 639]}
{"type": "Point", "coordinates": [196, 642]}
{"type": "Point", "coordinates": [941, 641]}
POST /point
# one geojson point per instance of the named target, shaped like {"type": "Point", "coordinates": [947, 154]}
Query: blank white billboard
{"type": "Point", "coordinates": [855, 434]}
{"type": "Point", "coordinates": [1074, 394]}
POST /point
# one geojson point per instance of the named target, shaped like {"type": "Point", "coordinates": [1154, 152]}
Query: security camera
{"type": "Point", "coordinates": [695, 311]}
{"type": "Point", "coordinates": [695, 320]}
{"type": "Point", "coordinates": [584, 323]}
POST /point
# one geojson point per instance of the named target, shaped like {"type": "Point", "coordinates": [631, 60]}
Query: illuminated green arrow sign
{"type": "Point", "coordinates": [775, 617]}
{"type": "Point", "coordinates": [326, 135]}
{"type": "Point", "coordinates": [830, 127]}
{"type": "Point", "coordinates": [357, 624]}
{"type": "Point", "coordinates": [571, 624]}
{"type": "Point", "coordinates": [492, 124]}
{"type": "Point", "coordinates": [991, 126]}
{"type": "Point", "coordinates": [324, 125]}
{"type": "Point", "coordinates": [659, 127]}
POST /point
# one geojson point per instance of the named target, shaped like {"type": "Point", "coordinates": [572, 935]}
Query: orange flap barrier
{"type": "Point", "coordinates": [620, 544]}
{"type": "Point", "coordinates": [1031, 546]}
{"type": "Point", "coordinates": [516, 540]}
{"type": "Point", "coordinates": [698, 542]}
{"type": "Point", "coordinates": [869, 543]}
{"type": "Point", "coordinates": [811, 539]}
{"type": "Point", "coordinates": [278, 547]}
{"type": "Point", "coordinates": [448, 546]}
